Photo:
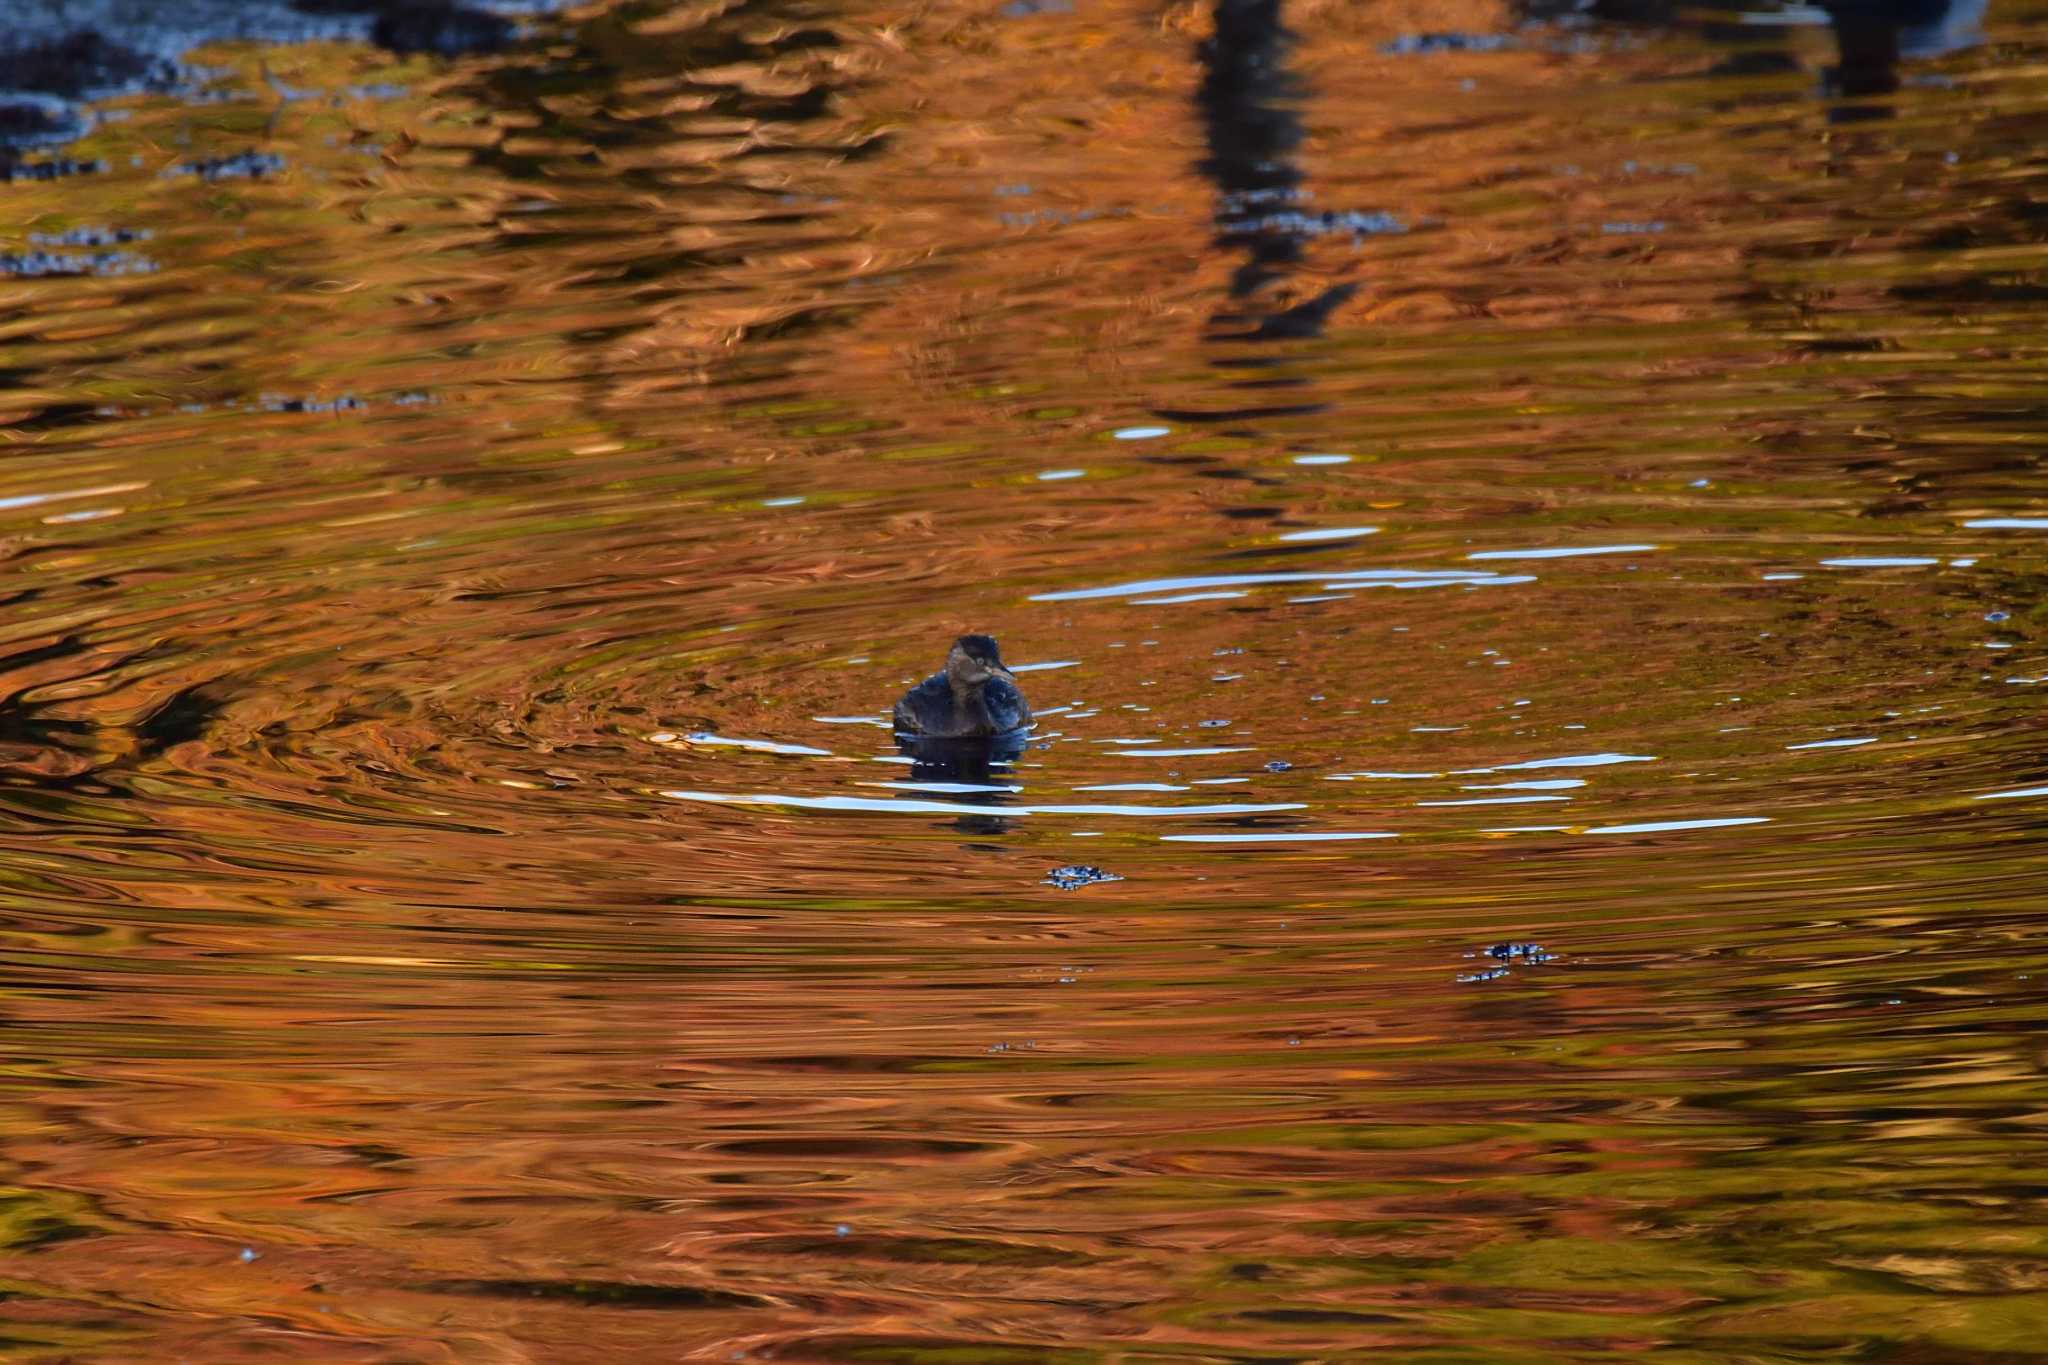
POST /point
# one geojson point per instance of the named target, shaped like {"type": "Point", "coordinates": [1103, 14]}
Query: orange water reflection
{"type": "Point", "coordinates": [459, 903]}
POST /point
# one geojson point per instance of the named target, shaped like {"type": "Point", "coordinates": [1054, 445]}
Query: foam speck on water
{"type": "Point", "coordinates": [1330, 579]}
{"type": "Point", "coordinates": [1494, 801]}
{"type": "Point", "coordinates": [1664, 826]}
{"type": "Point", "coordinates": [1604, 760]}
{"type": "Point", "coordinates": [1270, 838]}
{"type": "Point", "coordinates": [1550, 784]}
{"type": "Point", "coordinates": [1563, 552]}
{"type": "Point", "coordinates": [703, 739]}
{"type": "Point", "coordinates": [913, 806]}
{"type": "Point", "coordinates": [37, 499]}
{"type": "Point", "coordinates": [1880, 562]}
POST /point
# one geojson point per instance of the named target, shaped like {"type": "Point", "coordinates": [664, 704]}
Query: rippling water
{"type": "Point", "coordinates": [1527, 531]}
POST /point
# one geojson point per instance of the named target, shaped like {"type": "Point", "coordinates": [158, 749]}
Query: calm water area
{"type": "Point", "coordinates": [1525, 527]}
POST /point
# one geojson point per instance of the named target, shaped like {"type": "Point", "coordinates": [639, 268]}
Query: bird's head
{"type": "Point", "coordinates": [974, 660]}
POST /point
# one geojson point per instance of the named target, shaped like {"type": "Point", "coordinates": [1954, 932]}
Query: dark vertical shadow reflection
{"type": "Point", "coordinates": [1253, 133]}
{"type": "Point", "coordinates": [1248, 101]}
{"type": "Point", "coordinates": [1874, 36]}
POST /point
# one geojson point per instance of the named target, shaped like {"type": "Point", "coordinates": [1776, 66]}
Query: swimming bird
{"type": "Point", "coordinates": [972, 697]}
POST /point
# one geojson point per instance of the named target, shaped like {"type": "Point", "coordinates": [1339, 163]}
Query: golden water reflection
{"type": "Point", "coordinates": [1461, 485]}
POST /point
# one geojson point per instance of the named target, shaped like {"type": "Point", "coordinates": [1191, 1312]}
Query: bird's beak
{"type": "Point", "coordinates": [1005, 674]}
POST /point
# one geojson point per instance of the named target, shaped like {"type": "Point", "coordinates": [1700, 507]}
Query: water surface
{"type": "Point", "coordinates": [1531, 535]}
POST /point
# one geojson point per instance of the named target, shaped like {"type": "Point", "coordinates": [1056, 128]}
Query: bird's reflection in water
{"type": "Point", "coordinates": [971, 772]}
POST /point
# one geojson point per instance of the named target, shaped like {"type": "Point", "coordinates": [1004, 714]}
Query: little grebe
{"type": "Point", "coordinates": [972, 697]}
